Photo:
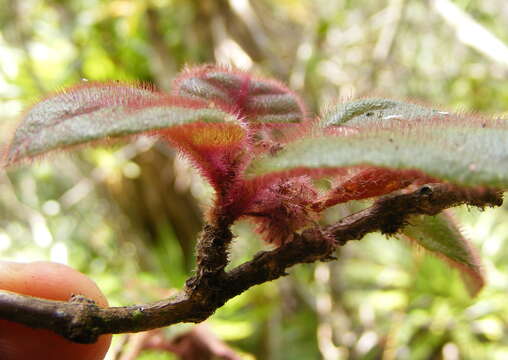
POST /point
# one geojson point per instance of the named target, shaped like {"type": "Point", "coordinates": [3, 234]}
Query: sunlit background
{"type": "Point", "coordinates": [128, 215]}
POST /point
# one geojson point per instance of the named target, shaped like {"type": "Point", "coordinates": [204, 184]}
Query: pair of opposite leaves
{"type": "Point", "coordinates": [252, 140]}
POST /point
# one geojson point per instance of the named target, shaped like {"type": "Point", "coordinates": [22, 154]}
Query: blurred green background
{"type": "Point", "coordinates": [128, 215]}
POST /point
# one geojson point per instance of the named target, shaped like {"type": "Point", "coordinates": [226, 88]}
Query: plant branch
{"type": "Point", "coordinates": [390, 213]}
{"type": "Point", "coordinates": [80, 320]}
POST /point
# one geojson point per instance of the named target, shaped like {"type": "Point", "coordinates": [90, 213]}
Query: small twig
{"type": "Point", "coordinates": [137, 343]}
{"type": "Point", "coordinates": [80, 320]}
{"type": "Point", "coordinates": [390, 213]}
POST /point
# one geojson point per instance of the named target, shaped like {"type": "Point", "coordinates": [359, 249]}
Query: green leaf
{"type": "Point", "coordinates": [440, 235]}
{"type": "Point", "coordinates": [101, 111]}
{"type": "Point", "coordinates": [368, 112]}
{"type": "Point", "coordinates": [468, 151]}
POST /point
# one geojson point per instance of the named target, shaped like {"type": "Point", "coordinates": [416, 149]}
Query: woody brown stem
{"type": "Point", "coordinates": [80, 320]}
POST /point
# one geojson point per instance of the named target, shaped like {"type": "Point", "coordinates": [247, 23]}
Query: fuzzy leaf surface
{"type": "Point", "coordinates": [440, 235]}
{"type": "Point", "coordinates": [371, 182]}
{"type": "Point", "coordinates": [376, 111]}
{"type": "Point", "coordinates": [248, 97]}
{"type": "Point", "coordinates": [101, 111]}
{"type": "Point", "coordinates": [463, 151]}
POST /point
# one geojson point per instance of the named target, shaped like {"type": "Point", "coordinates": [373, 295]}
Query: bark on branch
{"type": "Point", "coordinates": [82, 321]}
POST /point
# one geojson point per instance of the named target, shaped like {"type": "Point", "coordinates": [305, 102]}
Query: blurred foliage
{"type": "Point", "coordinates": [127, 215]}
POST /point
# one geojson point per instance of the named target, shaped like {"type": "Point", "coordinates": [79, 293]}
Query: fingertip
{"type": "Point", "coordinates": [50, 281]}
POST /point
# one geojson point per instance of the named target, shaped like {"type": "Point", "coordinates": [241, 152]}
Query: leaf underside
{"type": "Point", "coordinates": [440, 235]}
{"type": "Point", "coordinates": [371, 182]}
{"type": "Point", "coordinates": [101, 111]}
{"type": "Point", "coordinates": [250, 98]}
